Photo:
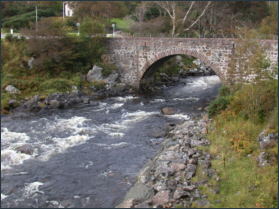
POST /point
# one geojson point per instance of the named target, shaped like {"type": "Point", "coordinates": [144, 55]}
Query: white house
{"type": "Point", "coordinates": [68, 12]}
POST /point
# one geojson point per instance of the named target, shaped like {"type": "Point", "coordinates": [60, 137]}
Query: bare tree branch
{"type": "Point", "coordinates": [172, 9]}
{"type": "Point", "coordinates": [198, 17]}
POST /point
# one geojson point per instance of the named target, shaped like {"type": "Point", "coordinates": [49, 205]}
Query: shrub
{"type": "Point", "coordinates": [224, 91]}
{"type": "Point", "coordinates": [215, 107]}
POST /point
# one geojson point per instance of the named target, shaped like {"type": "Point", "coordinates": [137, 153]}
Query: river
{"type": "Point", "coordinates": [88, 155]}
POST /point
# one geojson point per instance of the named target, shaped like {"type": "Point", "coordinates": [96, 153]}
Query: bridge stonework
{"type": "Point", "coordinates": [134, 57]}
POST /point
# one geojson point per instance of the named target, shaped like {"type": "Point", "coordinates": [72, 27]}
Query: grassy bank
{"type": "Point", "coordinates": [16, 72]}
{"type": "Point", "coordinates": [235, 149]}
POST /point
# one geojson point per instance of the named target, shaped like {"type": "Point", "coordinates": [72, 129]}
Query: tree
{"type": "Point", "coordinates": [249, 64]}
{"type": "Point", "coordinates": [100, 9]}
{"type": "Point", "coordinates": [92, 35]}
{"type": "Point", "coordinates": [269, 25]}
{"type": "Point", "coordinates": [51, 46]}
{"type": "Point", "coordinates": [181, 17]}
{"type": "Point", "coordinates": [140, 12]}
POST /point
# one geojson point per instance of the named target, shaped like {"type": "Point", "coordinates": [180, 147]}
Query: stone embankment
{"type": "Point", "coordinates": [167, 180]}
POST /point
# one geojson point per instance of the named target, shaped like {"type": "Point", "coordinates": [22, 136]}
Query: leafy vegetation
{"type": "Point", "coordinates": [252, 106]}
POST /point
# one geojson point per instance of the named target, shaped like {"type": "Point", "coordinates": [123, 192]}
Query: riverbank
{"type": "Point", "coordinates": [195, 169]}
{"type": "Point", "coordinates": [167, 180]}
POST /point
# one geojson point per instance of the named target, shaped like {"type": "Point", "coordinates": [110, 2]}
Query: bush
{"type": "Point", "coordinates": [215, 107]}
{"type": "Point", "coordinates": [224, 91]}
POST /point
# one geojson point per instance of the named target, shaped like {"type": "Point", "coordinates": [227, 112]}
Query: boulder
{"type": "Point", "coordinates": [263, 159]}
{"type": "Point", "coordinates": [50, 97]}
{"type": "Point", "coordinates": [111, 78]}
{"type": "Point", "coordinates": [178, 166]}
{"type": "Point", "coordinates": [26, 149]}
{"type": "Point", "coordinates": [195, 143]}
{"type": "Point", "coordinates": [202, 203]}
{"type": "Point", "coordinates": [161, 198]}
{"type": "Point", "coordinates": [266, 140]}
{"type": "Point", "coordinates": [13, 103]}
{"type": "Point", "coordinates": [145, 173]}
{"type": "Point", "coordinates": [74, 89]}
{"type": "Point", "coordinates": [95, 74]}
{"type": "Point", "coordinates": [11, 89]}
{"type": "Point", "coordinates": [169, 110]}
{"type": "Point", "coordinates": [127, 203]}
{"type": "Point", "coordinates": [54, 104]}
{"type": "Point", "coordinates": [179, 193]}
{"type": "Point", "coordinates": [86, 100]}
{"type": "Point", "coordinates": [157, 133]}
{"type": "Point", "coordinates": [143, 205]}
{"type": "Point", "coordinates": [33, 104]}
{"type": "Point", "coordinates": [140, 193]}
{"type": "Point", "coordinates": [30, 62]}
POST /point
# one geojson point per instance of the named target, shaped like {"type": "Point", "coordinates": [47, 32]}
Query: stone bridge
{"type": "Point", "coordinates": [139, 58]}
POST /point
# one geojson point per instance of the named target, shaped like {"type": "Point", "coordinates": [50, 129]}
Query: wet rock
{"type": "Point", "coordinates": [169, 110]}
{"type": "Point", "coordinates": [50, 97]}
{"type": "Point", "coordinates": [169, 127]}
{"type": "Point", "coordinates": [55, 104]}
{"type": "Point", "coordinates": [26, 149]}
{"type": "Point", "coordinates": [33, 104]}
{"type": "Point", "coordinates": [157, 133]}
{"type": "Point", "coordinates": [86, 100]}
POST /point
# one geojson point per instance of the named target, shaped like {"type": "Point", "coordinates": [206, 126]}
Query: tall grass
{"type": "Point", "coordinates": [242, 183]}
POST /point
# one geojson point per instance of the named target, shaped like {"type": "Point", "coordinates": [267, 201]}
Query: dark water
{"type": "Point", "coordinates": [87, 156]}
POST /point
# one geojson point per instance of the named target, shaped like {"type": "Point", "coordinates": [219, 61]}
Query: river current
{"type": "Point", "coordinates": [88, 155]}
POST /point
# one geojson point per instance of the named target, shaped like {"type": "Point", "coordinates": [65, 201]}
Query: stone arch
{"type": "Point", "coordinates": [163, 56]}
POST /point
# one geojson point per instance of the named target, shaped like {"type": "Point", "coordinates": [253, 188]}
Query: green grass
{"type": "Point", "coordinates": [29, 81]}
{"type": "Point", "coordinates": [123, 24]}
{"type": "Point", "coordinates": [73, 34]}
{"type": "Point", "coordinates": [243, 184]}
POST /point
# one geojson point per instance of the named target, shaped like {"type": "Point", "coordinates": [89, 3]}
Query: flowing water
{"type": "Point", "coordinates": [88, 155]}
